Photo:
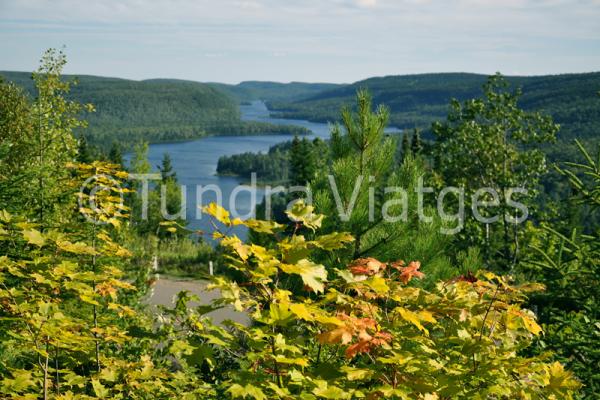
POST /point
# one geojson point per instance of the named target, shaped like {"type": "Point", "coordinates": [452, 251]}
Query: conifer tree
{"type": "Point", "coordinates": [169, 191]}
{"type": "Point", "coordinates": [295, 160]}
{"type": "Point", "coordinates": [84, 154]}
{"type": "Point", "coordinates": [406, 149]}
{"type": "Point", "coordinates": [417, 144]}
{"type": "Point", "coordinates": [568, 265]}
{"type": "Point", "coordinates": [302, 162]}
{"type": "Point", "coordinates": [166, 169]}
{"type": "Point", "coordinates": [362, 167]}
{"type": "Point", "coordinates": [115, 154]}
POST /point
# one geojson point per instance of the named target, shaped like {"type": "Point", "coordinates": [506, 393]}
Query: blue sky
{"type": "Point", "coordinates": [302, 40]}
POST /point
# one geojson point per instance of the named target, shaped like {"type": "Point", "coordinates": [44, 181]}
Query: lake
{"type": "Point", "coordinates": [195, 163]}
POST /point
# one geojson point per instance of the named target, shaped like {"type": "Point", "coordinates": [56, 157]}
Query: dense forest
{"type": "Point", "coordinates": [388, 299]}
{"type": "Point", "coordinates": [163, 110]}
{"type": "Point", "coordinates": [275, 166]}
{"type": "Point", "coordinates": [419, 100]}
{"type": "Point", "coordinates": [270, 167]}
{"type": "Point", "coordinates": [157, 110]}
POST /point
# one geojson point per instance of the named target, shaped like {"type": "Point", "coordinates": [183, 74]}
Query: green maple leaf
{"type": "Point", "coordinates": [33, 236]}
{"type": "Point", "coordinates": [313, 275]}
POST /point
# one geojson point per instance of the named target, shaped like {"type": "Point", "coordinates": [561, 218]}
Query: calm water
{"type": "Point", "coordinates": [196, 165]}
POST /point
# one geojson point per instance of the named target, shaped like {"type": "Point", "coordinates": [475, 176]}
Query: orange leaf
{"type": "Point", "coordinates": [364, 346]}
{"type": "Point", "coordinates": [366, 266]}
{"type": "Point", "coordinates": [339, 335]}
{"type": "Point", "coordinates": [407, 273]}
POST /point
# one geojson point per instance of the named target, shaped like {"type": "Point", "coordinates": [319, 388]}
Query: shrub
{"type": "Point", "coordinates": [365, 332]}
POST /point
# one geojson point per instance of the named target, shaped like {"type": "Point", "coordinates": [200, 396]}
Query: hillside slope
{"type": "Point", "coordinates": [153, 110]}
{"type": "Point", "coordinates": [418, 100]}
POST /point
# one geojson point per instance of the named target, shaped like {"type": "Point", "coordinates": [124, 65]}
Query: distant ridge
{"type": "Point", "coordinates": [274, 91]}
{"type": "Point", "coordinates": [418, 100]}
{"type": "Point", "coordinates": [165, 109]}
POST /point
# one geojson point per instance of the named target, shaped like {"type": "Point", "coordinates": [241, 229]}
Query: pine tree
{"type": "Point", "coordinates": [302, 162]}
{"type": "Point", "coordinates": [296, 161]}
{"type": "Point", "coordinates": [166, 169]}
{"type": "Point", "coordinates": [362, 167]}
{"type": "Point", "coordinates": [320, 152]}
{"type": "Point", "coordinates": [84, 154]}
{"type": "Point", "coordinates": [115, 154]}
{"type": "Point", "coordinates": [406, 149]}
{"type": "Point", "coordinates": [417, 144]}
{"type": "Point", "coordinates": [308, 153]}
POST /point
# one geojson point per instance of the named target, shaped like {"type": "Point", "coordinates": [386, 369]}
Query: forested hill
{"type": "Point", "coordinates": [418, 100]}
{"type": "Point", "coordinates": [154, 110]}
{"type": "Point", "coordinates": [274, 91]}
{"type": "Point", "coordinates": [168, 109]}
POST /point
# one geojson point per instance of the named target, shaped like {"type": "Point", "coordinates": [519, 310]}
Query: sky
{"type": "Point", "coordinates": [302, 40]}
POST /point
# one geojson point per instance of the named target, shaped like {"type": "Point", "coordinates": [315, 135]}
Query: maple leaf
{"type": "Point", "coordinates": [368, 343]}
{"type": "Point", "coordinates": [366, 266]}
{"type": "Point", "coordinates": [217, 212]}
{"type": "Point", "coordinates": [106, 289]}
{"type": "Point", "coordinates": [364, 346]}
{"type": "Point", "coordinates": [304, 214]}
{"type": "Point", "coordinates": [407, 273]}
{"type": "Point", "coordinates": [313, 275]}
{"type": "Point", "coordinates": [33, 236]}
{"type": "Point", "coordinates": [341, 335]}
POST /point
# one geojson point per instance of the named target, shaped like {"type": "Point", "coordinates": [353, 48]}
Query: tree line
{"type": "Point", "coordinates": [154, 111]}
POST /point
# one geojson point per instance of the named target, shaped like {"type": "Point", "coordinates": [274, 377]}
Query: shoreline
{"type": "Point", "coordinates": [259, 183]}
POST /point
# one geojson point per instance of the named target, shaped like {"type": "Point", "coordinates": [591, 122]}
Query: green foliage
{"type": "Point", "coordinates": [84, 154]}
{"type": "Point", "coordinates": [302, 162]}
{"type": "Point", "coordinates": [155, 110]}
{"type": "Point", "coordinates": [490, 143]}
{"type": "Point", "coordinates": [277, 166]}
{"type": "Point", "coordinates": [156, 197]}
{"type": "Point", "coordinates": [419, 100]}
{"type": "Point", "coordinates": [272, 167]}
{"type": "Point", "coordinates": [166, 169]}
{"type": "Point", "coordinates": [363, 166]}
{"type": "Point", "coordinates": [361, 331]}
{"type": "Point", "coordinates": [15, 129]}
{"type": "Point", "coordinates": [325, 318]}
{"type": "Point", "coordinates": [416, 145]}
{"type": "Point", "coordinates": [115, 154]}
{"type": "Point", "coordinates": [405, 149]}
{"type": "Point", "coordinates": [569, 266]}
{"type": "Point", "coordinates": [67, 323]}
